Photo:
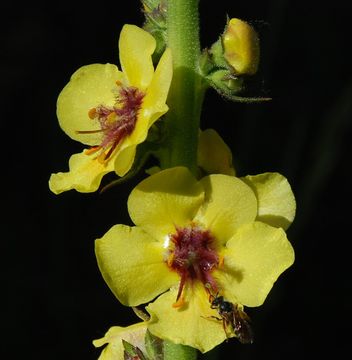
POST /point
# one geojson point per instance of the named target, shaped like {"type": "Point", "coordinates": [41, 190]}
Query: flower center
{"type": "Point", "coordinates": [193, 257]}
{"type": "Point", "coordinates": [116, 122]}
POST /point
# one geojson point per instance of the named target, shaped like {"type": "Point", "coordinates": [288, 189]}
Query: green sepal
{"type": "Point", "coordinates": [178, 351]}
{"type": "Point", "coordinates": [229, 86]}
{"type": "Point", "coordinates": [248, 100]}
{"type": "Point", "coordinates": [217, 55]}
{"type": "Point", "coordinates": [224, 82]}
{"type": "Point", "coordinates": [150, 5]}
{"type": "Point", "coordinates": [206, 64]}
{"type": "Point", "coordinates": [132, 352]}
{"type": "Point", "coordinates": [154, 346]}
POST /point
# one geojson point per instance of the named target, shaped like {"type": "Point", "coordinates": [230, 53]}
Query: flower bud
{"type": "Point", "coordinates": [241, 47]}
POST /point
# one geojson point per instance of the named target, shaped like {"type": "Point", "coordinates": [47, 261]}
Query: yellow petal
{"type": "Point", "coordinates": [255, 257]}
{"type": "Point", "coordinates": [140, 131]}
{"type": "Point", "coordinates": [276, 202]}
{"type": "Point", "coordinates": [164, 200]}
{"type": "Point", "coordinates": [124, 160]}
{"type": "Point", "coordinates": [89, 87]}
{"type": "Point", "coordinates": [155, 99]}
{"type": "Point", "coordinates": [132, 265]}
{"type": "Point", "coordinates": [193, 324]}
{"type": "Point", "coordinates": [228, 204]}
{"type": "Point", "coordinates": [214, 156]}
{"type": "Point", "coordinates": [136, 47]}
{"type": "Point", "coordinates": [133, 334]}
{"type": "Point", "coordinates": [85, 174]}
{"type": "Point", "coordinates": [153, 106]}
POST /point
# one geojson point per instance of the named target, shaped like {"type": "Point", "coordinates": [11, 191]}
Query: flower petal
{"type": "Point", "coordinates": [124, 160]}
{"type": "Point", "coordinates": [228, 203]}
{"type": "Point", "coordinates": [89, 87]}
{"type": "Point", "coordinates": [155, 99]}
{"type": "Point", "coordinates": [276, 202]}
{"type": "Point", "coordinates": [193, 324]}
{"type": "Point", "coordinates": [214, 156]}
{"type": "Point", "coordinates": [153, 106]}
{"type": "Point", "coordinates": [141, 129]}
{"type": "Point", "coordinates": [133, 334]}
{"type": "Point", "coordinates": [255, 257]}
{"type": "Point", "coordinates": [168, 198]}
{"type": "Point", "coordinates": [136, 47]}
{"type": "Point", "coordinates": [132, 265]}
{"type": "Point", "coordinates": [85, 174]}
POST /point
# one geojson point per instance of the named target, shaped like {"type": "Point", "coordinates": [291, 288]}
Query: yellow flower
{"type": "Point", "coordinates": [241, 47]}
{"type": "Point", "coordinates": [195, 240]}
{"type": "Point", "coordinates": [112, 110]}
{"type": "Point", "coordinates": [114, 350]}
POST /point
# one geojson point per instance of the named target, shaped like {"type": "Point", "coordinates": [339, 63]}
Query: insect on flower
{"type": "Point", "coordinates": [232, 316]}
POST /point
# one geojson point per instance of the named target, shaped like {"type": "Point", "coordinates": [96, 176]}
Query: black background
{"type": "Point", "coordinates": [55, 301]}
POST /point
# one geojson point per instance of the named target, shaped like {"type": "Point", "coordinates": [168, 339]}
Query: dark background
{"type": "Point", "coordinates": [55, 301]}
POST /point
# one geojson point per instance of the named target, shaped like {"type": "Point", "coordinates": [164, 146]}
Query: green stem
{"type": "Point", "coordinates": [185, 101]}
{"type": "Point", "coordinates": [186, 92]}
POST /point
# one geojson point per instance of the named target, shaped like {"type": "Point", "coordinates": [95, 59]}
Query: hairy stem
{"type": "Point", "coordinates": [186, 92]}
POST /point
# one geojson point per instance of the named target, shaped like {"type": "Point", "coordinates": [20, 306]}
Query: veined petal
{"type": "Point", "coordinates": [155, 99]}
{"type": "Point", "coordinates": [164, 200]}
{"type": "Point", "coordinates": [255, 257]}
{"type": "Point", "coordinates": [132, 265]}
{"type": "Point", "coordinates": [85, 174]}
{"type": "Point", "coordinates": [214, 156]}
{"type": "Point", "coordinates": [193, 324]}
{"type": "Point", "coordinates": [89, 87]}
{"type": "Point", "coordinates": [228, 204]}
{"type": "Point", "coordinates": [114, 350]}
{"type": "Point", "coordinates": [276, 202]}
{"type": "Point", "coordinates": [124, 160]}
{"type": "Point", "coordinates": [136, 47]}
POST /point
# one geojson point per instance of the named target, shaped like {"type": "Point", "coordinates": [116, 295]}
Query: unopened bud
{"type": "Point", "coordinates": [241, 47]}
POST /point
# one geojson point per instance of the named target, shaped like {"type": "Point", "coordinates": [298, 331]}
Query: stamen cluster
{"type": "Point", "coordinates": [117, 121]}
{"type": "Point", "coordinates": [193, 256]}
